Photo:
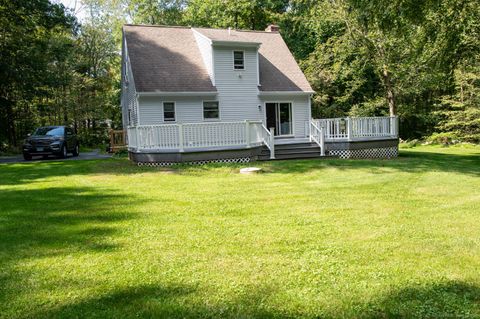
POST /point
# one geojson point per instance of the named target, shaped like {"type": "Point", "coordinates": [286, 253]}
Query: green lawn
{"type": "Point", "coordinates": [310, 238]}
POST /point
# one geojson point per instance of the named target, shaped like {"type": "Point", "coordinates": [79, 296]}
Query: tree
{"type": "Point", "coordinates": [358, 52]}
{"type": "Point", "coordinates": [240, 14]}
{"type": "Point", "coordinates": [26, 30]}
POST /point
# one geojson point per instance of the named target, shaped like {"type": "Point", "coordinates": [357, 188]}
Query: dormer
{"type": "Point", "coordinates": [241, 49]}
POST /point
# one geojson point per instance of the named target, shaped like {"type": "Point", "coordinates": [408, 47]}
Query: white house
{"type": "Point", "coordinates": [197, 94]}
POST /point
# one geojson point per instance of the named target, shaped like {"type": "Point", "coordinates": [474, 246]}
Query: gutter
{"type": "Point", "coordinates": [236, 44]}
{"type": "Point", "coordinates": [262, 93]}
{"type": "Point", "coordinates": [202, 93]}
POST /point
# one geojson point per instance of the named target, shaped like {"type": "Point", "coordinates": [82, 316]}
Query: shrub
{"type": "Point", "coordinates": [446, 138]}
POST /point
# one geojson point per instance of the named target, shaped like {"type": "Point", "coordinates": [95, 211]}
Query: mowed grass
{"type": "Point", "coordinates": [308, 238]}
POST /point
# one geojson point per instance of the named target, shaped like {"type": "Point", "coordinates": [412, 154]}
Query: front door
{"type": "Point", "coordinates": [279, 116]}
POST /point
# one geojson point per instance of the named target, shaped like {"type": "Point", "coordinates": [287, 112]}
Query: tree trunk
{"type": "Point", "coordinates": [389, 91]}
{"type": "Point", "coordinates": [11, 134]}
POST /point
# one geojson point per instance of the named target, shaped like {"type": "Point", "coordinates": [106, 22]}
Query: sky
{"type": "Point", "coordinates": [76, 6]}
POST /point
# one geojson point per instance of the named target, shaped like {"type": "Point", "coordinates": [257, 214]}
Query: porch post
{"type": "Point", "coordinates": [272, 143]}
{"type": "Point", "coordinates": [394, 126]}
{"type": "Point", "coordinates": [247, 132]}
{"type": "Point", "coordinates": [137, 134]}
{"type": "Point", "coordinates": [180, 137]}
{"type": "Point", "coordinates": [308, 130]}
{"type": "Point", "coordinates": [349, 128]}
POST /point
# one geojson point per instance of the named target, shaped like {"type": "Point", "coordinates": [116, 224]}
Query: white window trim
{"type": "Point", "coordinates": [174, 112]}
{"type": "Point", "coordinates": [203, 111]}
{"type": "Point", "coordinates": [233, 61]}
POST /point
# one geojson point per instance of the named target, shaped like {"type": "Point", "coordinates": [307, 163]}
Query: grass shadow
{"type": "Point", "coordinates": [24, 173]}
{"type": "Point", "coordinates": [172, 301]}
{"type": "Point", "coordinates": [440, 300]}
{"type": "Point", "coordinates": [39, 223]}
{"type": "Point", "coordinates": [452, 299]}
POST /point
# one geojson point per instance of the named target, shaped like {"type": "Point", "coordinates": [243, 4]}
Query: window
{"type": "Point", "coordinates": [210, 110]}
{"type": "Point", "coordinates": [238, 60]}
{"type": "Point", "coordinates": [169, 112]}
{"type": "Point", "coordinates": [50, 131]}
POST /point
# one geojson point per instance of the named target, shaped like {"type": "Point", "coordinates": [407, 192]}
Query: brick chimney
{"type": "Point", "coordinates": [272, 28]}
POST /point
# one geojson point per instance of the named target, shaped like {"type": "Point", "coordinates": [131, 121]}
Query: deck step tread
{"type": "Point", "coordinates": [295, 156]}
{"type": "Point", "coordinates": [290, 156]}
{"type": "Point", "coordinates": [292, 151]}
{"type": "Point", "coordinates": [288, 152]}
{"type": "Point", "coordinates": [293, 146]}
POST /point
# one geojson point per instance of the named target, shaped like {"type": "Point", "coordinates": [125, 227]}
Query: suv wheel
{"type": "Point", "coordinates": [63, 153]}
{"type": "Point", "coordinates": [27, 157]}
{"type": "Point", "coordinates": [76, 150]}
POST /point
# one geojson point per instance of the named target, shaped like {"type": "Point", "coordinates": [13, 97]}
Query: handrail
{"type": "Point", "coordinates": [317, 135]}
{"type": "Point", "coordinates": [269, 140]}
{"type": "Point", "coordinates": [192, 124]}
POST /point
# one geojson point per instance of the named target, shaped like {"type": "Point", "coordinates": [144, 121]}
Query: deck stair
{"type": "Point", "coordinates": [291, 151]}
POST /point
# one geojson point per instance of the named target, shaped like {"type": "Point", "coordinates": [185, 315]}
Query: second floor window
{"type": "Point", "coordinates": [169, 112]}
{"type": "Point", "coordinates": [238, 60]}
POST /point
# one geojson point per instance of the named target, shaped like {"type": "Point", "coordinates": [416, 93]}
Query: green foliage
{"type": "Point", "coordinates": [55, 71]}
{"type": "Point", "coordinates": [410, 144]}
{"type": "Point", "coordinates": [369, 58]}
{"type": "Point", "coordinates": [443, 138]}
{"type": "Point", "coordinates": [240, 14]}
{"type": "Point", "coordinates": [459, 112]}
{"type": "Point", "coordinates": [34, 42]}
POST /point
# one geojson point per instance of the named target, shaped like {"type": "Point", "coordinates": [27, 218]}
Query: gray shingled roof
{"type": "Point", "coordinates": [168, 59]}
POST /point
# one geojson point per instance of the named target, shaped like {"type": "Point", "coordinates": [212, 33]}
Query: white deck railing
{"type": "Point", "coordinates": [358, 128]}
{"type": "Point", "coordinates": [194, 136]}
{"type": "Point", "coordinates": [246, 134]}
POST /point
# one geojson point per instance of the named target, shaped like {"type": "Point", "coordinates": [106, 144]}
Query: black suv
{"type": "Point", "coordinates": [51, 140]}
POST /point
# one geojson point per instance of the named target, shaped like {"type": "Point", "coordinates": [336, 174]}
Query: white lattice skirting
{"type": "Point", "coordinates": [386, 152]}
{"type": "Point", "coordinates": [203, 162]}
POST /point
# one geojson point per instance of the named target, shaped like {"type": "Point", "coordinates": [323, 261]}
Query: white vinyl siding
{"type": "Point", "coordinates": [190, 110]}
{"type": "Point", "coordinates": [237, 89]}
{"type": "Point", "coordinates": [129, 99]}
{"type": "Point", "coordinates": [151, 112]}
{"type": "Point", "coordinates": [301, 115]}
{"type": "Point", "coordinates": [187, 109]}
{"type": "Point", "coordinates": [205, 47]}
